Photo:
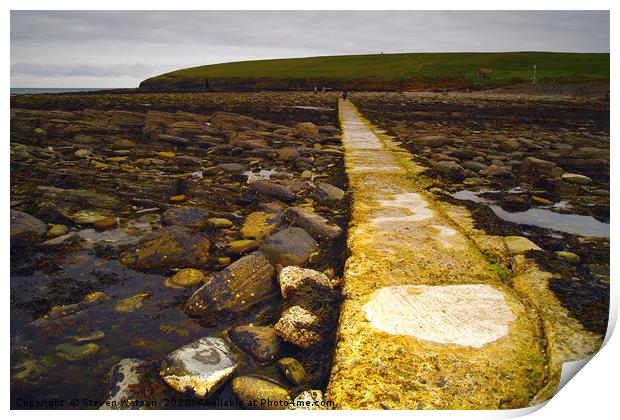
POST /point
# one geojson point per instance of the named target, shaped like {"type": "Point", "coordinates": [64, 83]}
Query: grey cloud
{"type": "Point", "coordinates": [110, 70]}
{"type": "Point", "coordinates": [68, 44]}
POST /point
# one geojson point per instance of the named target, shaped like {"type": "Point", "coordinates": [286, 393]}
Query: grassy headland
{"type": "Point", "coordinates": [388, 72]}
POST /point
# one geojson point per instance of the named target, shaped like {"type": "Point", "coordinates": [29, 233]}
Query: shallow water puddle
{"type": "Point", "coordinates": [575, 224]}
{"type": "Point", "coordinates": [313, 108]}
{"type": "Point", "coordinates": [262, 175]}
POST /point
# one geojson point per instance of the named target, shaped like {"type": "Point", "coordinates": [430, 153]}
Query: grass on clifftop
{"type": "Point", "coordinates": [506, 67]}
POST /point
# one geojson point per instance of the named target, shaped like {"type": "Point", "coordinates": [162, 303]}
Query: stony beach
{"type": "Point", "coordinates": [191, 248]}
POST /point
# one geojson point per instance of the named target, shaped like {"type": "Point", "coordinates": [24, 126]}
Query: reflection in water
{"type": "Point", "coordinates": [262, 175]}
{"type": "Point", "coordinates": [314, 108]}
{"type": "Point", "coordinates": [575, 224]}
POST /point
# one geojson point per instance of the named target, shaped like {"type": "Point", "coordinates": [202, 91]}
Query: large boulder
{"type": "Point", "coordinates": [319, 227]}
{"type": "Point", "coordinates": [26, 227]}
{"type": "Point", "coordinates": [290, 246]}
{"type": "Point", "coordinates": [192, 217]}
{"type": "Point", "coordinates": [262, 343]}
{"type": "Point", "coordinates": [202, 366]}
{"type": "Point", "coordinates": [169, 247]}
{"type": "Point", "coordinates": [237, 287]}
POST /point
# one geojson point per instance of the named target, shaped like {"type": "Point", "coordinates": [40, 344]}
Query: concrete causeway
{"type": "Point", "coordinates": [426, 321]}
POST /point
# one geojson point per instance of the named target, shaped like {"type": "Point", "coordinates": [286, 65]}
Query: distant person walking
{"type": "Point", "coordinates": [344, 94]}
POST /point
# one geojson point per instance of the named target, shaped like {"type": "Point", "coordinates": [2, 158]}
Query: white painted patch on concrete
{"type": "Point", "coordinates": [446, 235]}
{"type": "Point", "coordinates": [467, 315]}
{"type": "Point", "coordinates": [376, 168]}
{"type": "Point", "coordinates": [412, 203]}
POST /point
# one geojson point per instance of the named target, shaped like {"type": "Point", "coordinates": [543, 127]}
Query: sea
{"type": "Point", "coordinates": [28, 91]}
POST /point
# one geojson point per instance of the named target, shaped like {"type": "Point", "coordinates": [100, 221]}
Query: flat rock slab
{"type": "Point", "coordinates": [319, 227]}
{"type": "Point", "coordinates": [468, 315]}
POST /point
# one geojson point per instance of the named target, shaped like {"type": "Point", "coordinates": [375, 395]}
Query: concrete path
{"type": "Point", "coordinates": [426, 321]}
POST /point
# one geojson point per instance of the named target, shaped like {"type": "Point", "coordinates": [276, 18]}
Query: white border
{"type": "Point", "coordinates": [591, 395]}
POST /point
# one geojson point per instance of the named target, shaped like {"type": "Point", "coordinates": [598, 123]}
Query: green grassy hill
{"type": "Point", "coordinates": [388, 71]}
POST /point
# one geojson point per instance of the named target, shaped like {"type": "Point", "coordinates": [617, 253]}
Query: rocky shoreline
{"type": "Point", "coordinates": [190, 247]}
{"type": "Point", "coordinates": [523, 165]}
{"type": "Point", "coordinates": [133, 232]}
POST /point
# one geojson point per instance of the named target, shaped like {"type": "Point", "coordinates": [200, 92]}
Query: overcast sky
{"type": "Point", "coordinates": [121, 48]}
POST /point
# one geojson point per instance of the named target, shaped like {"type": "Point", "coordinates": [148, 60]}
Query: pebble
{"type": "Point", "coordinates": [220, 223]}
{"type": "Point", "coordinates": [260, 224]}
{"type": "Point", "coordinates": [576, 179]}
{"type": "Point", "coordinates": [242, 246]}
{"type": "Point", "coordinates": [57, 230]}
{"type": "Point", "coordinates": [187, 277]}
